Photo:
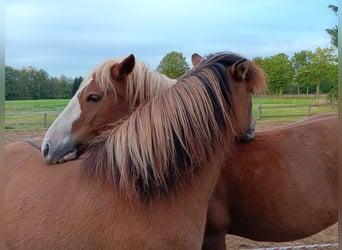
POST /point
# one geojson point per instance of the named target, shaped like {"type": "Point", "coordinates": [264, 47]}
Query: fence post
{"type": "Point", "coordinates": [309, 110]}
{"type": "Point", "coordinates": [259, 112]}
{"type": "Point", "coordinates": [45, 120]}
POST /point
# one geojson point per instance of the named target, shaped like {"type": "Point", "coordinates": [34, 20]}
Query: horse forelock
{"type": "Point", "coordinates": [255, 77]}
{"type": "Point", "coordinates": [141, 84]}
{"type": "Point", "coordinates": [167, 140]}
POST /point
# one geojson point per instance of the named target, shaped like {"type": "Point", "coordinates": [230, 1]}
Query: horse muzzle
{"type": "Point", "coordinates": [250, 133]}
{"type": "Point", "coordinates": [60, 153]}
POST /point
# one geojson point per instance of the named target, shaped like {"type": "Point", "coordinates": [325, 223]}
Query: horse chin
{"type": "Point", "coordinates": [69, 156]}
{"type": "Point", "coordinates": [60, 154]}
{"type": "Point", "coordinates": [250, 133]}
{"type": "Point", "coordinates": [248, 136]}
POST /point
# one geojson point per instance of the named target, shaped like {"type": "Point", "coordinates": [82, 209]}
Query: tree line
{"type": "Point", "coordinates": [30, 83]}
{"type": "Point", "coordinates": [306, 72]}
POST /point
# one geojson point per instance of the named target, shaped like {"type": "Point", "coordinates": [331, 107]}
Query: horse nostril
{"type": "Point", "coordinates": [46, 150]}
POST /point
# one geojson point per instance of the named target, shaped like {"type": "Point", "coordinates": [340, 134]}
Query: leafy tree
{"type": "Point", "coordinates": [320, 67]}
{"type": "Point", "coordinates": [12, 83]}
{"type": "Point", "coordinates": [299, 60]}
{"type": "Point", "coordinates": [40, 85]}
{"type": "Point", "coordinates": [77, 82]}
{"type": "Point", "coordinates": [279, 72]}
{"type": "Point", "coordinates": [334, 30]}
{"type": "Point", "coordinates": [173, 65]}
{"type": "Point", "coordinates": [64, 87]}
{"type": "Point", "coordinates": [31, 83]}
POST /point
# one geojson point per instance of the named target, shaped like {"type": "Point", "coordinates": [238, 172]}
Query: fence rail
{"type": "Point", "coordinates": [282, 111]}
{"type": "Point", "coordinates": [43, 119]}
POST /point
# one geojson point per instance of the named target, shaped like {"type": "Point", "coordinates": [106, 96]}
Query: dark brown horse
{"type": "Point", "coordinates": [147, 181]}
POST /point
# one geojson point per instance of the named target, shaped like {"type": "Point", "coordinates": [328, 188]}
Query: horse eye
{"type": "Point", "coordinates": [93, 98]}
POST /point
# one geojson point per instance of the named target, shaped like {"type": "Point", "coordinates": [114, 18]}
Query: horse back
{"type": "Point", "coordinates": [17, 153]}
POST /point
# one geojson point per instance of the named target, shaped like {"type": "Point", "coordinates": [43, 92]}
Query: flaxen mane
{"type": "Point", "coordinates": [142, 83]}
{"type": "Point", "coordinates": [166, 141]}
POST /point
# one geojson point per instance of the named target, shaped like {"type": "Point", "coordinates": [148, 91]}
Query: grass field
{"type": "Point", "coordinates": [35, 105]}
{"type": "Point", "coordinates": [290, 108]}
{"type": "Point", "coordinates": [32, 114]}
{"type": "Point", "coordinates": [37, 114]}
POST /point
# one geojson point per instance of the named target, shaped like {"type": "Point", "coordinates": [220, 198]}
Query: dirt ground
{"type": "Point", "coordinates": [329, 235]}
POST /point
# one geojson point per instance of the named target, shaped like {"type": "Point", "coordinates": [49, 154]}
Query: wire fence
{"type": "Point", "coordinates": [30, 120]}
{"type": "Point", "coordinates": [278, 112]}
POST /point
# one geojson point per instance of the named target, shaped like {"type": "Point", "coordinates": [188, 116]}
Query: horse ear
{"type": "Point", "coordinates": [196, 59]}
{"type": "Point", "coordinates": [239, 69]}
{"type": "Point", "coordinates": [123, 69]}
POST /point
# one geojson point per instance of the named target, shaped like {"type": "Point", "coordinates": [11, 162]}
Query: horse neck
{"type": "Point", "coordinates": [146, 84]}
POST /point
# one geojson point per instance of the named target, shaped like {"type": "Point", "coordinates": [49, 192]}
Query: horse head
{"type": "Point", "coordinates": [241, 70]}
{"type": "Point", "coordinates": [108, 94]}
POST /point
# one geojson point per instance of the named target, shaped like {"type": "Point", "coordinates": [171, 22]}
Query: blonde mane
{"type": "Point", "coordinates": [142, 83]}
{"type": "Point", "coordinates": [166, 141]}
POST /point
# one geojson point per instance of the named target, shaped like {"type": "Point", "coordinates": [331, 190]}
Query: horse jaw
{"type": "Point", "coordinates": [58, 144]}
{"type": "Point", "coordinates": [250, 133]}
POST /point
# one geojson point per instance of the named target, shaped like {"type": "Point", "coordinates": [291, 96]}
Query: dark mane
{"type": "Point", "coordinates": [165, 142]}
{"type": "Point", "coordinates": [255, 77]}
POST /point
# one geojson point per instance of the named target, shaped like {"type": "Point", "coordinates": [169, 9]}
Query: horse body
{"type": "Point", "coordinates": [268, 192]}
{"type": "Point", "coordinates": [54, 208]}
{"type": "Point", "coordinates": [282, 186]}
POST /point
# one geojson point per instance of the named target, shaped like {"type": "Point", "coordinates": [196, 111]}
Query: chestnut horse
{"type": "Point", "coordinates": [146, 182]}
{"type": "Point", "coordinates": [266, 233]}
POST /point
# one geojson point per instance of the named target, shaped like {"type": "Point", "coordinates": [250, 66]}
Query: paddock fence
{"type": "Point", "coordinates": [30, 120]}
{"type": "Point", "coordinates": [291, 112]}
{"type": "Point", "coordinates": [43, 119]}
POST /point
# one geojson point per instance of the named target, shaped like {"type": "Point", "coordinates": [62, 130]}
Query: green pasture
{"type": "Point", "coordinates": [35, 105]}
{"type": "Point", "coordinates": [39, 114]}
{"type": "Point", "coordinates": [289, 108]}
{"type": "Point", "coordinates": [32, 114]}
{"type": "Point", "coordinates": [278, 113]}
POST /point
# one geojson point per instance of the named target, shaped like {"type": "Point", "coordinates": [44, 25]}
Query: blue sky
{"type": "Point", "coordinates": [72, 37]}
